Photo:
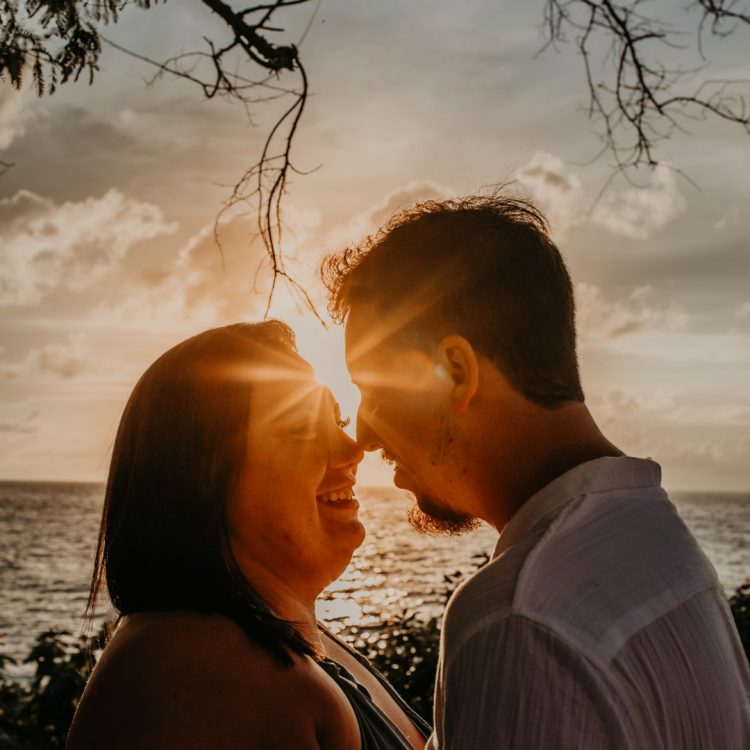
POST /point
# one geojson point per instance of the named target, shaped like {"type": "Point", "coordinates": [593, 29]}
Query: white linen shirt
{"type": "Point", "coordinates": [599, 623]}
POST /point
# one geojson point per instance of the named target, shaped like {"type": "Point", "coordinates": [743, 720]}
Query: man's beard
{"type": "Point", "coordinates": [428, 517]}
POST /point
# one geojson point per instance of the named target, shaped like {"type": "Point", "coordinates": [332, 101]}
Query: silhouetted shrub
{"type": "Point", "coordinates": [739, 603]}
{"type": "Point", "coordinates": [405, 649]}
{"type": "Point", "coordinates": [35, 713]}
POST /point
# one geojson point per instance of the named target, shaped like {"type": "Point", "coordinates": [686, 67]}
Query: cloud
{"type": "Point", "coordinates": [638, 212]}
{"type": "Point", "coordinates": [743, 311]}
{"type": "Point", "coordinates": [369, 220]}
{"type": "Point", "coordinates": [61, 361]}
{"type": "Point", "coordinates": [21, 426]}
{"type": "Point", "coordinates": [730, 217]}
{"type": "Point", "coordinates": [231, 280]}
{"type": "Point", "coordinates": [46, 246]}
{"type": "Point", "coordinates": [601, 319]}
{"type": "Point", "coordinates": [559, 194]}
{"type": "Point", "coordinates": [698, 444]}
{"type": "Point", "coordinates": [616, 406]}
{"type": "Point", "coordinates": [12, 115]}
{"type": "Point", "coordinates": [206, 286]}
{"type": "Point", "coordinates": [729, 349]}
{"type": "Point", "coordinates": [717, 451]}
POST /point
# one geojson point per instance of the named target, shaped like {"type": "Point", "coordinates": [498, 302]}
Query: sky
{"type": "Point", "coordinates": [107, 256]}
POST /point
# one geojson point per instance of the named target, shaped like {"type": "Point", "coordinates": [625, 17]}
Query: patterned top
{"type": "Point", "coordinates": [598, 624]}
{"type": "Point", "coordinates": [377, 731]}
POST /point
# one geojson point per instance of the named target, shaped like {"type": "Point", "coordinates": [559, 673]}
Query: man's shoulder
{"type": "Point", "coordinates": [608, 566]}
{"type": "Point", "coordinates": [486, 599]}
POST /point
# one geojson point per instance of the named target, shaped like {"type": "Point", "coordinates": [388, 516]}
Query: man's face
{"type": "Point", "coordinates": [403, 413]}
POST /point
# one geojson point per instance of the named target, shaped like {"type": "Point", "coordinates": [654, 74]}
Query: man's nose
{"type": "Point", "coordinates": [367, 438]}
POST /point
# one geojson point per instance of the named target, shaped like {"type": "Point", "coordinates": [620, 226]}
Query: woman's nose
{"type": "Point", "coordinates": [346, 451]}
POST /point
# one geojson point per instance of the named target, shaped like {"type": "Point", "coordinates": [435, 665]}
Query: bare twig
{"type": "Point", "coordinates": [635, 100]}
{"type": "Point", "coordinates": [226, 68]}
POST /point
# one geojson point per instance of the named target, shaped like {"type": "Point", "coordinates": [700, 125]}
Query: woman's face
{"type": "Point", "coordinates": [293, 517]}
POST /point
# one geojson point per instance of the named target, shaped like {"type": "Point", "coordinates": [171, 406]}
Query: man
{"type": "Point", "coordinates": [599, 623]}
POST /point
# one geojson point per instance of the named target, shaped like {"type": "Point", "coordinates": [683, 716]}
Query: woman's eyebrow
{"type": "Point", "coordinates": [305, 402]}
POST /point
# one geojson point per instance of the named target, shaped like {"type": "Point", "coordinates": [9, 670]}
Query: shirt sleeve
{"type": "Point", "coordinates": [515, 684]}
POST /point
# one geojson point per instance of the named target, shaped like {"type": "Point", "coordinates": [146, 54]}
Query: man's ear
{"type": "Point", "coordinates": [456, 361]}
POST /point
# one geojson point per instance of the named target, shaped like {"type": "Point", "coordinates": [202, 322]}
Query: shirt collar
{"type": "Point", "coordinates": [600, 475]}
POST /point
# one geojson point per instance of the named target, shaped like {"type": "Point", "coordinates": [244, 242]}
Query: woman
{"type": "Point", "coordinates": [228, 509]}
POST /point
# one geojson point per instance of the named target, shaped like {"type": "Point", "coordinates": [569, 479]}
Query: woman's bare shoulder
{"type": "Point", "coordinates": [177, 634]}
{"type": "Point", "coordinates": [193, 680]}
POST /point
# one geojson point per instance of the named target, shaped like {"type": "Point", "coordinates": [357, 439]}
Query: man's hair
{"type": "Point", "coordinates": [483, 267]}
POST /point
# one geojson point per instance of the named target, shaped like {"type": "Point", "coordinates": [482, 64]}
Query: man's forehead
{"type": "Point", "coordinates": [376, 358]}
{"type": "Point", "coordinates": [370, 334]}
{"type": "Point", "coordinates": [364, 339]}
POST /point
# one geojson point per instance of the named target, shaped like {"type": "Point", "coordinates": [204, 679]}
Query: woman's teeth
{"type": "Point", "coordinates": [336, 497]}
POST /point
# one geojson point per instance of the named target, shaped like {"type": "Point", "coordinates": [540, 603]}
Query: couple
{"type": "Point", "coordinates": [598, 623]}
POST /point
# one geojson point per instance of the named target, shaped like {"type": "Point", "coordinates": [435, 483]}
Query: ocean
{"type": "Point", "coordinates": [48, 533]}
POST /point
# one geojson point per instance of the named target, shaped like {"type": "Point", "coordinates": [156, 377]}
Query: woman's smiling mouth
{"type": "Point", "coordinates": [343, 497]}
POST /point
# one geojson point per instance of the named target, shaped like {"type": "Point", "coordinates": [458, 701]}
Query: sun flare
{"type": "Point", "coordinates": [323, 348]}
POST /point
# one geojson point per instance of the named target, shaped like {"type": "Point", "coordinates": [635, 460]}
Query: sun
{"type": "Point", "coordinates": [322, 347]}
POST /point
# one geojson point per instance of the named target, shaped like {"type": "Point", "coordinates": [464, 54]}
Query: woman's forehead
{"type": "Point", "coordinates": [303, 401]}
{"type": "Point", "coordinates": [289, 387]}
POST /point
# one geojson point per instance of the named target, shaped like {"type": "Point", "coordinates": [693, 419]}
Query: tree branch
{"type": "Point", "coordinates": [635, 101]}
{"type": "Point", "coordinates": [28, 38]}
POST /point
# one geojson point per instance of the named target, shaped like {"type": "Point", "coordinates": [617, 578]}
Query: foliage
{"type": "Point", "coordinates": [739, 603]}
{"type": "Point", "coordinates": [36, 714]}
{"type": "Point", "coordinates": [405, 649]}
{"type": "Point", "coordinates": [58, 40]}
{"type": "Point", "coordinates": [636, 99]}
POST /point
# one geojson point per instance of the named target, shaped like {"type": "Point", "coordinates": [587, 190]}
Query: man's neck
{"type": "Point", "coordinates": [547, 444]}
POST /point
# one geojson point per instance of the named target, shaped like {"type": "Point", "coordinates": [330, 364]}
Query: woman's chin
{"type": "Point", "coordinates": [355, 537]}
{"type": "Point", "coordinates": [347, 552]}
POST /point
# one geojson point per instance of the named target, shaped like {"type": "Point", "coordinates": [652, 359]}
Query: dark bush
{"type": "Point", "coordinates": [739, 603]}
{"type": "Point", "coordinates": [35, 713]}
{"type": "Point", "coordinates": [405, 649]}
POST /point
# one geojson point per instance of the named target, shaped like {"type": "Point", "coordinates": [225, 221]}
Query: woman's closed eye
{"type": "Point", "coordinates": [302, 429]}
{"type": "Point", "coordinates": [308, 431]}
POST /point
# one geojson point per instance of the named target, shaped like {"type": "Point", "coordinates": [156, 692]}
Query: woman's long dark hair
{"type": "Point", "coordinates": [164, 538]}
